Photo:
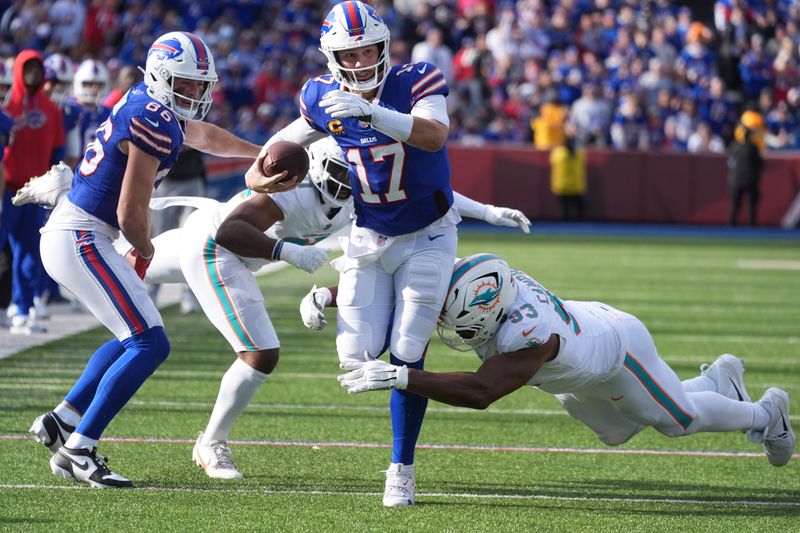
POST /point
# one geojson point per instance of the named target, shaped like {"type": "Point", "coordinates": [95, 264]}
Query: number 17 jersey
{"type": "Point", "coordinates": [397, 188]}
{"type": "Point", "coordinates": [144, 122]}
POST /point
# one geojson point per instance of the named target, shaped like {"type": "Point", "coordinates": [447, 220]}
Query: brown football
{"type": "Point", "coordinates": [285, 155]}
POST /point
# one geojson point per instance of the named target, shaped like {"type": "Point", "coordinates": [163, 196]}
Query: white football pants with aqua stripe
{"type": "Point", "coordinates": [228, 293]}
{"type": "Point", "coordinates": [645, 391]}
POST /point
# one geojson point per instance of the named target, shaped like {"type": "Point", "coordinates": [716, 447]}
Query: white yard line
{"type": "Point", "coordinates": [464, 495]}
{"type": "Point", "coordinates": [315, 445]}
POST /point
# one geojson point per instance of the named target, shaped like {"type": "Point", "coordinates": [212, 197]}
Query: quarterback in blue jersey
{"type": "Point", "coordinates": [391, 125]}
{"type": "Point", "coordinates": [111, 190]}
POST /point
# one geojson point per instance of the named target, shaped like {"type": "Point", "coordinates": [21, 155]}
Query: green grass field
{"type": "Point", "coordinates": [313, 457]}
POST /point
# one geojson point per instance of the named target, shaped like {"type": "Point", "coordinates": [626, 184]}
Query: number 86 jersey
{"type": "Point", "coordinates": [144, 122]}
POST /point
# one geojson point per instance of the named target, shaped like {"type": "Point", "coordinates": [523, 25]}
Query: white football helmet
{"type": "Point", "coordinates": [350, 25]}
{"type": "Point", "coordinates": [6, 79]}
{"type": "Point", "coordinates": [180, 54]}
{"type": "Point", "coordinates": [481, 291]}
{"type": "Point", "coordinates": [91, 82]}
{"type": "Point", "coordinates": [329, 172]}
{"type": "Point", "coordinates": [60, 70]}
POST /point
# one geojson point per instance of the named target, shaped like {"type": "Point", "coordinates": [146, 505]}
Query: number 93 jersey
{"type": "Point", "coordinates": [397, 188]}
{"type": "Point", "coordinates": [140, 120]}
{"type": "Point", "coordinates": [592, 341]}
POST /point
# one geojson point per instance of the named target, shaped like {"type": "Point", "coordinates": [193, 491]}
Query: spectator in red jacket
{"type": "Point", "coordinates": [38, 142]}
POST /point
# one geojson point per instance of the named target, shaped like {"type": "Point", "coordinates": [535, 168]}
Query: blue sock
{"type": "Point", "coordinates": [143, 354]}
{"type": "Point", "coordinates": [407, 410]}
{"type": "Point", "coordinates": [81, 394]}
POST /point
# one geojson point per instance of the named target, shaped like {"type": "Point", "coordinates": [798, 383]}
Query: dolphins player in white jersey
{"type": "Point", "coordinates": [220, 245]}
{"type": "Point", "coordinates": [110, 193]}
{"type": "Point", "coordinates": [600, 363]}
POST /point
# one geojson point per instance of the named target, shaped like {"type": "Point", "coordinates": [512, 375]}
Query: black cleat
{"type": "Point", "coordinates": [86, 466]}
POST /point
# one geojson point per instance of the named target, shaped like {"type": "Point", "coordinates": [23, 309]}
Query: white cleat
{"type": "Point", "coordinates": [45, 189]}
{"type": "Point", "coordinates": [727, 371]}
{"type": "Point", "coordinates": [778, 437]}
{"type": "Point", "coordinates": [215, 459]}
{"type": "Point", "coordinates": [401, 488]}
{"type": "Point", "coordinates": [25, 325]}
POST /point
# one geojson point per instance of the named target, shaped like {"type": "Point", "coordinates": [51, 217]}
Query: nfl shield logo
{"type": "Point", "coordinates": [381, 240]}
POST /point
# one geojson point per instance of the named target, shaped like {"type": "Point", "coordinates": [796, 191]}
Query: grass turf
{"type": "Point", "coordinates": [299, 475]}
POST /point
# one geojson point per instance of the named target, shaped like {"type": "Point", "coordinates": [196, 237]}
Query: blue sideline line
{"type": "Point", "coordinates": [640, 230]}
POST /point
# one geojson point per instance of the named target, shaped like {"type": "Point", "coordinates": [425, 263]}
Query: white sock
{"type": "Point", "coordinates": [701, 383]}
{"type": "Point", "coordinates": [238, 386]}
{"type": "Point", "coordinates": [67, 415]}
{"type": "Point", "coordinates": [716, 412]}
{"type": "Point", "coordinates": [76, 440]}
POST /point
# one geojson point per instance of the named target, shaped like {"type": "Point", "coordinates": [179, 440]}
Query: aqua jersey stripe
{"type": "Point", "coordinates": [209, 258]}
{"type": "Point", "coordinates": [680, 416]}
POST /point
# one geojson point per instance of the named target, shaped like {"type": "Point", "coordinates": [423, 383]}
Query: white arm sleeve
{"type": "Point", "coordinates": [433, 106]}
{"type": "Point", "coordinates": [467, 207]}
{"type": "Point", "coordinates": [298, 132]}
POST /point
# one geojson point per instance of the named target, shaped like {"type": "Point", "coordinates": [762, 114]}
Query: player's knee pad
{"type": "Point", "coordinates": [409, 349]}
{"type": "Point", "coordinates": [353, 342]}
{"type": "Point", "coordinates": [152, 341]}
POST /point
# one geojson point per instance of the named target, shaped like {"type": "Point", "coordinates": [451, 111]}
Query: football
{"type": "Point", "coordinates": [285, 155]}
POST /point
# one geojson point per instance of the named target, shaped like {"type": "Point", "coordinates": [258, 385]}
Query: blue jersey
{"type": "Point", "coordinates": [397, 188]}
{"type": "Point", "coordinates": [142, 121]}
{"type": "Point", "coordinates": [91, 118]}
{"type": "Point", "coordinates": [72, 112]}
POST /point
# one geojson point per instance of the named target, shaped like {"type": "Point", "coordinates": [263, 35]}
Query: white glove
{"type": "Point", "coordinates": [375, 375]}
{"type": "Point", "coordinates": [308, 258]}
{"type": "Point", "coordinates": [342, 104]}
{"type": "Point", "coordinates": [312, 308]}
{"type": "Point", "coordinates": [503, 216]}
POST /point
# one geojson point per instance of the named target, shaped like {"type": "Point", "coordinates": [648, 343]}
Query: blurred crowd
{"type": "Point", "coordinates": [627, 74]}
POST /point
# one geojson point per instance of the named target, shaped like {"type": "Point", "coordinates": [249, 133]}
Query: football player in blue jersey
{"type": "Point", "coordinates": [391, 125]}
{"type": "Point", "coordinates": [111, 189]}
{"type": "Point", "coordinates": [90, 86]}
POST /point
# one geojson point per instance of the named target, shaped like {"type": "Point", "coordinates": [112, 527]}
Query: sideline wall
{"type": "Point", "coordinates": [649, 187]}
{"type": "Point", "coordinates": [659, 188]}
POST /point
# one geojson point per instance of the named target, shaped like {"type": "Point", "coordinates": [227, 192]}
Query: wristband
{"type": "Point", "coordinates": [393, 123]}
{"type": "Point", "coordinates": [276, 250]}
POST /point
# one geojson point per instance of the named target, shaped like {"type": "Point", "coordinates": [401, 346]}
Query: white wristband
{"type": "Point", "coordinates": [393, 123]}
{"type": "Point", "coordinates": [401, 382]}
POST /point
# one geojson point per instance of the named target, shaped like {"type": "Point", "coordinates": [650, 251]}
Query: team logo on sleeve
{"type": "Point", "coordinates": [336, 127]}
{"type": "Point", "coordinates": [486, 294]}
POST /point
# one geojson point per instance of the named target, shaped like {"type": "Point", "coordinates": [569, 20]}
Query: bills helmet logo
{"type": "Point", "coordinates": [167, 49]}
